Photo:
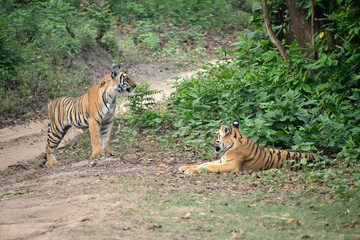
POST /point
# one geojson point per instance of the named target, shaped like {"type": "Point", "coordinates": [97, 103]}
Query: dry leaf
{"type": "Point", "coordinates": [155, 226]}
{"type": "Point", "coordinates": [161, 165]}
{"type": "Point", "coordinates": [291, 221]}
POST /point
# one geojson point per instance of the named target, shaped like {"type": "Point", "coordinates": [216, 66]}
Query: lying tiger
{"type": "Point", "coordinates": [94, 110]}
{"type": "Point", "coordinates": [241, 153]}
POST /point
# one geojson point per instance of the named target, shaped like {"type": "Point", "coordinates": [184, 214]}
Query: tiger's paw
{"type": "Point", "coordinates": [188, 169]}
{"type": "Point", "coordinates": [51, 164]}
{"type": "Point", "coordinates": [51, 160]}
{"type": "Point", "coordinates": [109, 152]}
{"type": "Point", "coordinates": [98, 153]}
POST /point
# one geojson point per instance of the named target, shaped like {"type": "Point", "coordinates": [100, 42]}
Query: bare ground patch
{"type": "Point", "coordinates": [106, 197]}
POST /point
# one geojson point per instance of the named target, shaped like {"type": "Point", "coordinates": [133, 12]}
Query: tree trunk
{"type": "Point", "coordinates": [301, 28]}
{"type": "Point", "coordinates": [270, 31]}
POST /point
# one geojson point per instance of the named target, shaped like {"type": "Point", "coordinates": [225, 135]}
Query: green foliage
{"type": "Point", "coordinates": [110, 43]}
{"type": "Point", "coordinates": [175, 32]}
{"type": "Point", "coordinates": [148, 40]}
{"type": "Point", "coordinates": [129, 50]}
{"type": "Point", "coordinates": [280, 105]}
{"type": "Point", "coordinates": [101, 16]}
{"type": "Point", "coordinates": [141, 104]}
{"type": "Point", "coordinates": [164, 42]}
{"type": "Point", "coordinates": [208, 14]}
{"type": "Point", "coordinates": [37, 40]}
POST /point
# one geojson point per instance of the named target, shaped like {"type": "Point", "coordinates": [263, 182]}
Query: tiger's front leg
{"type": "Point", "coordinates": [217, 166]}
{"type": "Point", "coordinates": [226, 167]}
{"type": "Point", "coordinates": [185, 168]}
{"type": "Point", "coordinates": [106, 129]}
{"type": "Point", "coordinates": [94, 128]}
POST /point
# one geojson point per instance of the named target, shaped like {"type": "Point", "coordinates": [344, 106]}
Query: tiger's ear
{"type": "Point", "coordinates": [225, 129]}
{"type": "Point", "coordinates": [236, 124]}
{"type": "Point", "coordinates": [115, 72]}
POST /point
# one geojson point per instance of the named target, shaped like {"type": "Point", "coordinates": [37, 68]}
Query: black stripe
{"type": "Point", "coordinates": [255, 155]}
{"type": "Point", "coordinates": [270, 158]}
{"type": "Point", "coordinates": [279, 158]}
{"type": "Point", "coordinates": [104, 99]}
{"type": "Point", "coordinates": [100, 114]}
{"type": "Point", "coordinates": [288, 157]}
{"type": "Point", "coordinates": [252, 149]}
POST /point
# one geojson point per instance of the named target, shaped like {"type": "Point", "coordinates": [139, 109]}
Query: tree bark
{"type": "Point", "coordinates": [301, 28]}
{"type": "Point", "coordinates": [270, 31]}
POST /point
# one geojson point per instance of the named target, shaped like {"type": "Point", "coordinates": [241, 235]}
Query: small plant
{"type": "Point", "coordinates": [142, 98]}
{"type": "Point", "coordinates": [141, 105]}
{"type": "Point", "coordinates": [111, 44]}
{"type": "Point", "coordinates": [129, 50]}
{"type": "Point", "coordinates": [101, 16]}
{"type": "Point", "coordinates": [149, 40]}
{"type": "Point", "coordinates": [203, 170]}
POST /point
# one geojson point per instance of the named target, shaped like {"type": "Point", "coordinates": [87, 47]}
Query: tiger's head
{"type": "Point", "coordinates": [225, 137]}
{"type": "Point", "coordinates": [122, 80]}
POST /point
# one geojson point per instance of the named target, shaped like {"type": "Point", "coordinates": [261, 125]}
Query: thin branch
{"type": "Point", "coordinates": [312, 23]}
{"type": "Point", "coordinates": [271, 33]}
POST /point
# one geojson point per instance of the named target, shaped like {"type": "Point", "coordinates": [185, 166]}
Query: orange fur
{"type": "Point", "coordinates": [241, 153]}
{"type": "Point", "coordinates": [94, 110]}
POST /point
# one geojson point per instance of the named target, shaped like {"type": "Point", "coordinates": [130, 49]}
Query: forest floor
{"type": "Point", "coordinates": [140, 194]}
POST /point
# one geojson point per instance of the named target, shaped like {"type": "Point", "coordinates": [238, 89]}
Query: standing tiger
{"type": "Point", "coordinates": [94, 110]}
{"type": "Point", "coordinates": [241, 153]}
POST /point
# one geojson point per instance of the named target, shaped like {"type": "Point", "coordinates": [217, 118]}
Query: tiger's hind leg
{"type": "Point", "coordinates": [55, 135]}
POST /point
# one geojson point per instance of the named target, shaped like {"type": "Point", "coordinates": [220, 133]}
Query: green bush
{"type": "Point", "coordinates": [148, 40]}
{"type": "Point", "coordinates": [111, 44]}
{"type": "Point", "coordinates": [37, 40]}
{"type": "Point", "coordinates": [208, 14]}
{"type": "Point", "coordinates": [141, 105]}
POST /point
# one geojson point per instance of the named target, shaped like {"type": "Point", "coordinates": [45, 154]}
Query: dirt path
{"type": "Point", "coordinates": [25, 142]}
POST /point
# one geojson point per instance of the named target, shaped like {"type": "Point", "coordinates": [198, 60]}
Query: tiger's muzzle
{"type": "Point", "coordinates": [131, 89]}
{"type": "Point", "coordinates": [216, 148]}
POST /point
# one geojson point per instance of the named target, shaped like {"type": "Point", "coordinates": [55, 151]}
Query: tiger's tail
{"type": "Point", "coordinates": [275, 158]}
{"type": "Point", "coordinates": [293, 160]}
